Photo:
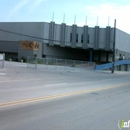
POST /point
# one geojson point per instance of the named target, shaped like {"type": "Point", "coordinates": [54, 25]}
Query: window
{"type": "Point", "coordinates": [81, 38]}
{"type": "Point", "coordinates": [70, 37]}
{"type": "Point", "coordinates": [88, 38]}
{"type": "Point", "coordinates": [76, 37]}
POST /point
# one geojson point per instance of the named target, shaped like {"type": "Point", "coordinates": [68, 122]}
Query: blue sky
{"type": "Point", "coordinates": [42, 11]}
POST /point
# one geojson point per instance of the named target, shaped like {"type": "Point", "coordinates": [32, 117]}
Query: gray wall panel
{"type": "Point", "coordinates": [85, 37]}
{"type": "Point", "coordinates": [74, 32]}
{"type": "Point", "coordinates": [9, 46]}
{"type": "Point", "coordinates": [91, 32]}
{"type": "Point", "coordinates": [68, 31]}
{"type": "Point", "coordinates": [108, 38]}
{"type": "Point", "coordinates": [46, 32]}
{"type": "Point", "coordinates": [57, 34]}
{"type": "Point", "coordinates": [122, 41]}
{"type": "Point", "coordinates": [27, 28]}
{"type": "Point", "coordinates": [62, 34]}
{"type": "Point", "coordinates": [111, 38]}
{"type": "Point", "coordinates": [96, 38]}
{"type": "Point", "coordinates": [51, 33]}
{"type": "Point", "coordinates": [102, 38]}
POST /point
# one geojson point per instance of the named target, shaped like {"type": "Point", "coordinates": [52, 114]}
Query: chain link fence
{"type": "Point", "coordinates": [2, 58]}
{"type": "Point", "coordinates": [31, 62]}
{"type": "Point", "coordinates": [58, 64]}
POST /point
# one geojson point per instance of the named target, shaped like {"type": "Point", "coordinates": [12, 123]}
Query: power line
{"type": "Point", "coordinates": [25, 35]}
{"type": "Point", "coordinates": [30, 36]}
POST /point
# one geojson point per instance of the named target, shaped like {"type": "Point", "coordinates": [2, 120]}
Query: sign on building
{"type": "Point", "coordinates": [30, 45]}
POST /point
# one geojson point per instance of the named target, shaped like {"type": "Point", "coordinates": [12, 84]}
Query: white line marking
{"type": "Point", "coordinates": [2, 74]}
{"type": "Point", "coordinates": [55, 84]}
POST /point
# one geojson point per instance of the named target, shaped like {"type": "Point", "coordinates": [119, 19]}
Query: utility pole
{"type": "Point", "coordinates": [113, 56]}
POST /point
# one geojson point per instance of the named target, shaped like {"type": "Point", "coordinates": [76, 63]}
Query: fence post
{"type": "Point", "coordinates": [46, 63]}
{"type": "Point", "coordinates": [56, 64]}
{"type": "Point", "coordinates": [81, 65]}
{"type": "Point", "coordinates": [94, 66]}
{"type": "Point", "coordinates": [27, 61]}
{"type": "Point", "coordinates": [65, 64]}
{"type": "Point", "coordinates": [36, 63]}
{"type": "Point", "coordinates": [3, 60]}
{"type": "Point", "coordinates": [74, 65]}
{"type": "Point", "coordinates": [88, 67]}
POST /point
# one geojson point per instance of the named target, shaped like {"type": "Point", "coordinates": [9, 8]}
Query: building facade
{"type": "Point", "coordinates": [22, 39]}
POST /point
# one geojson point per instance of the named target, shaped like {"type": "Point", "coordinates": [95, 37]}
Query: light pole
{"type": "Point", "coordinates": [113, 55]}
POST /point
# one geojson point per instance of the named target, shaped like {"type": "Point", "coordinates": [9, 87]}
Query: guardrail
{"type": "Point", "coordinates": [109, 65]}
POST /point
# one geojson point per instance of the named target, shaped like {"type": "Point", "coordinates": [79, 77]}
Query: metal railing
{"type": "Point", "coordinates": [53, 63]}
{"type": "Point", "coordinates": [109, 65]}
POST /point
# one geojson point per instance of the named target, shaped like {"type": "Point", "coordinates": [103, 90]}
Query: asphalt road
{"type": "Point", "coordinates": [62, 100]}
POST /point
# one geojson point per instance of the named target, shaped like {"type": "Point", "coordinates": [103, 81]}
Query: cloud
{"type": "Point", "coordinates": [103, 11]}
{"type": "Point", "coordinates": [36, 4]}
{"type": "Point", "coordinates": [18, 7]}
